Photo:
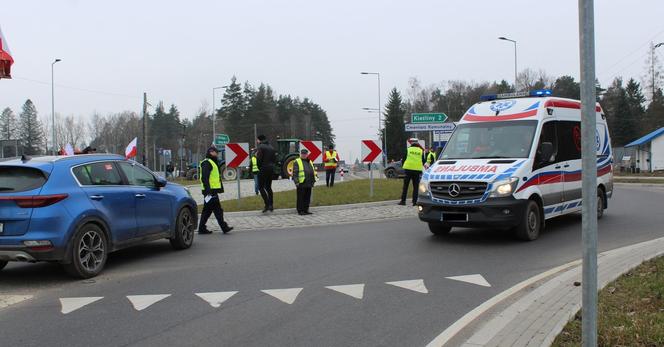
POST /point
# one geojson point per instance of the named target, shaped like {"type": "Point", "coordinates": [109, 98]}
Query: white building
{"type": "Point", "coordinates": [649, 151]}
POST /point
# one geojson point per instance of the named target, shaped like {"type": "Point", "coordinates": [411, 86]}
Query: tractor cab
{"type": "Point", "coordinates": [287, 151]}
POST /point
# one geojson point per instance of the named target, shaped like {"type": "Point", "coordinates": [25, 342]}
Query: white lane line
{"type": "Point", "coordinates": [215, 299]}
{"type": "Point", "coordinates": [8, 300]}
{"type": "Point", "coordinates": [72, 304]}
{"type": "Point", "coordinates": [287, 295]}
{"type": "Point", "coordinates": [141, 302]}
{"type": "Point", "coordinates": [354, 290]}
{"type": "Point", "coordinates": [414, 285]}
{"type": "Point", "coordinates": [473, 279]}
{"type": "Point", "coordinates": [460, 324]}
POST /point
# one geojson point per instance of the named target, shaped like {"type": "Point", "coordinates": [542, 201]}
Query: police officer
{"type": "Point", "coordinates": [210, 179]}
{"type": "Point", "coordinates": [255, 170]}
{"type": "Point", "coordinates": [431, 157]}
{"type": "Point", "coordinates": [413, 163]}
{"type": "Point", "coordinates": [304, 176]}
{"type": "Point", "coordinates": [331, 159]}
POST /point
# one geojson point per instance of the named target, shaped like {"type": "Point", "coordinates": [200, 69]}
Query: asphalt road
{"type": "Point", "coordinates": [311, 259]}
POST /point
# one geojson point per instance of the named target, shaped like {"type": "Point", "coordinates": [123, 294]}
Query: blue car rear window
{"type": "Point", "coordinates": [20, 179]}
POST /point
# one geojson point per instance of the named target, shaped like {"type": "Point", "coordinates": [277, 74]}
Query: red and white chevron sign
{"type": "Point", "coordinates": [315, 149]}
{"type": "Point", "coordinates": [237, 154]}
{"type": "Point", "coordinates": [370, 151]}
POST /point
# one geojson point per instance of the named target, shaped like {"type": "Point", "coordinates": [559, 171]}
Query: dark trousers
{"type": "Point", "coordinates": [414, 176]}
{"type": "Point", "coordinates": [265, 185]}
{"type": "Point", "coordinates": [329, 177]}
{"type": "Point", "coordinates": [210, 207]}
{"type": "Point", "coordinates": [303, 198]}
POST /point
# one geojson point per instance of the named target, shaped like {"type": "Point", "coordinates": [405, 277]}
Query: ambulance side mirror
{"type": "Point", "coordinates": [545, 152]}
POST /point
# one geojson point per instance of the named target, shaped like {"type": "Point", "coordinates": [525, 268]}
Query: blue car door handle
{"type": "Point", "coordinates": [96, 197]}
{"type": "Point", "coordinates": [140, 196]}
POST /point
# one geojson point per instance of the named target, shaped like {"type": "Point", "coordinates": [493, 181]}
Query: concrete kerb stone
{"type": "Point", "coordinates": [291, 211]}
{"type": "Point", "coordinates": [546, 306]}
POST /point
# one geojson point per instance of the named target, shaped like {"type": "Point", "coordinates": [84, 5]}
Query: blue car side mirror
{"type": "Point", "coordinates": [161, 182]}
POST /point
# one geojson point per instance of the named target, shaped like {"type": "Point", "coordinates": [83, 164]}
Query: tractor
{"type": "Point", "coordinates": [287, 151]}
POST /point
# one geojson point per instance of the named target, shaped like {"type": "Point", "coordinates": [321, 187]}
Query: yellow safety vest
{"type": "Point", "coordinates": [254, 164]}
{"type": "Point", "coordinates": [413, 159]}
{"type": "Point", "coordinates": [330, 163]}
{"type": "Point", "coordinates": [215, 178]}
{"type": "Point", "coordinates": [431, 157]}
{"type": "Point", "coordinates": [300, 170]}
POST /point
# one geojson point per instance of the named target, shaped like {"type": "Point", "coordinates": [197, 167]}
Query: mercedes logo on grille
{"type": "Point", "coordinates": [454, 190]}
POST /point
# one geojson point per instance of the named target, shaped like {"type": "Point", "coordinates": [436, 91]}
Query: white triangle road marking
{"type": "Point", "coordinates": [8, 300]}
{"type": "Point", "coordinates": [287, 295]}
{"type": "Point", "coordinates": [473, 279]}
{"type": "Point", "coordinates": [141, 302]}
{"type": "Point", "coordinates": [414, 285]}
{"type": "Point", "coordinates": [215, 299]}
{"type": "Point", "coordinates": [354, 290]}
{"type": "Point", "coordinates": [72, 304]}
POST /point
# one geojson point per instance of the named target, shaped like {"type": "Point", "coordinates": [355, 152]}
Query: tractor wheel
{"type": "Point", "coordinates": [287, 167]}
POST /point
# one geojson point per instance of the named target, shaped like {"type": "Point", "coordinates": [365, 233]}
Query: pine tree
{"type": "Point", "coordinates": [394, 126]}
{"type": "Point", "coordinates": [30, 130]}
{"type": "Point", "coordinates": [654, 118]}
{"type": "Point", "coordinates": [635, 100]}
{"type": "Point", "coordinates": [619, 118]}
{"type": "Point", "coordinates": [567, 87]}
{"type": "Point", "coordinates": [8, 125]}
{"type": "Point", "coordinates": [233, 107]}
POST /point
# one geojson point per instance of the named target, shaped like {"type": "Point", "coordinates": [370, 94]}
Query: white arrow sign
{"type": "Point", "coordinates": [315, 149]}
{"type": "Point", "coordinates": [237, 154]}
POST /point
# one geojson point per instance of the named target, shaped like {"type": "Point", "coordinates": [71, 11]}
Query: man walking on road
{"type": "Point", "coordinates": [211, 184]}
{"type": "Point", "coordinates": [254, 169]}
{"type": "Point", "coordinates": [413, 164]}
{"type": "Point", "coordinates": [331, 159]}
{"type": "Point", "coordinates": [266, 157]}
{"type": "Point", "coordinates": [304, 176]}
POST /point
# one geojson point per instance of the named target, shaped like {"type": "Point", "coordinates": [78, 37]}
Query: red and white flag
{"type": "Point", "coordinates": [6, 59]}
{"type": "Point", "coordinates": [131, 150]}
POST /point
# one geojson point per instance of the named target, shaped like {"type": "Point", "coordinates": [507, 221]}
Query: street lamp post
{"type": "Point", "coordinates": [515, 67]}
{"type": "Point", "coordinates": [53, 103]}
{"type": "Point", "coordinates": [652, 66]}
{"type": "Point", "coordinates": [214, 113]}
{"type": "Point", "coordinates": [379, 118]}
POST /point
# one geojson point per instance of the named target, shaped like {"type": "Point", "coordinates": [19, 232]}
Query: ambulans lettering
{"type": "Point", "coordinates": [467, 168]}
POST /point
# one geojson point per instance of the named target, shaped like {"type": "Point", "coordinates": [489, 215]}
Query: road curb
{"type": "Point", "coordinates": [536, 318]}
{"type": "Point", "coordinates": [287, 211]}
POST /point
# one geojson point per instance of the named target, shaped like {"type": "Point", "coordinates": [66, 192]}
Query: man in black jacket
{"type": "Point", "coordinates": [266, 157]}
{"type": "Point", "coordinates": [210, 178]}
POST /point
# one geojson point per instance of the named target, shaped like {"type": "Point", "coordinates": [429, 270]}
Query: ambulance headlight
{"type": "Point", "coordinates": [504, 187]}
{"type": "Point", "coordinates": [424, 188]}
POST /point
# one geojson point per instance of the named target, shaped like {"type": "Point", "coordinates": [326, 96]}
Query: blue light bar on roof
{"type": "Point", "coordinates": [539, 92]}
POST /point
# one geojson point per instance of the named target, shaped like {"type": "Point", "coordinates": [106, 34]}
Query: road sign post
{"type": "Point", "coordinates": [237, 156]}
{"type": "Point", "coordinates": [370, 151]}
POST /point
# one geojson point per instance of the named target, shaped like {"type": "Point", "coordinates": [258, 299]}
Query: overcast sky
{"type": "Point", "coordinates": [176, 51]}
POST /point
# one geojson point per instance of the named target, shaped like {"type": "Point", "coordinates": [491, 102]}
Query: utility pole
{"type": "Point", "coordinates": [53, 103]}
{"type": "Point", "coordinates": [145, 129]}
{"type": "Point", "coordinates": [255, 133]}
{"type": "Point", "coordinates": [588, 173]}
{"type": "Point", "coordinates": [652, 68]}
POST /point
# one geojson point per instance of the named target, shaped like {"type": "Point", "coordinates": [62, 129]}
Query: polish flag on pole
{"type": "Point", "coordinates": [130, 151]}
{"type": "Point", "coordinates": [69, 150]}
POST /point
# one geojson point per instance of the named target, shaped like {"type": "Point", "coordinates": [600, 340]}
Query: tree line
{"type": "Point", "coordinates": [629, 114]}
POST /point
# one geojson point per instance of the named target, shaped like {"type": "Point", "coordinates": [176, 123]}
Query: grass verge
{"type": "Point", "coordinates": [637, 180]}
{"type": "Point", "coordinates": [630, 311]}
{"type": "Point", "coordinates": [351, 192]}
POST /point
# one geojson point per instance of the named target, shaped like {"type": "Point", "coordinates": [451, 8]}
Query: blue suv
{"type": "Point", "coordinates": [75, 210]}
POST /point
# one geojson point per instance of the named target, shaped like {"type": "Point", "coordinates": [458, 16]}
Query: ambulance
{"type": "Point", "coordinates": [513, 162]}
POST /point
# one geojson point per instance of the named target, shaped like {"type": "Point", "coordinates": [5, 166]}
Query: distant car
{"type": "Point", "coordinates": [75, 210]}
{"type": "Point", "coordinates": [394, 170]}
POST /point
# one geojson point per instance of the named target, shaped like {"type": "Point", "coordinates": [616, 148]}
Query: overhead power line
{"type": "Point", "coordinates": [78, 88]}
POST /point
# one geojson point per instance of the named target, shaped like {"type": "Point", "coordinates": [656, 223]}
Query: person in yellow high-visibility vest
{"type": "Point", "coordinates": [431, 157]}
{"type": "Point", "coordinates": [331, 158]}
{"type": "Point", "coordinates": [305, 177]}
{"type": "Point", "coordinates": [210, 178]}
{"type": "Point", "coordinates": [255, 170]}
{"type": "Point", "coordinates": [413, 163]}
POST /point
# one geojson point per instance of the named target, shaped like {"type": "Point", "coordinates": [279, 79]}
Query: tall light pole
{"type": "Point", "coordinates": [652, 66]}
{"type": "Point", "coordinates": [53, 103]}
{"type": "Point", "coordinates": [515, 67]}
{"type": "Point", "coordinates": [214, 113]}
{"type": "Point", "coordinates": [379, 118]}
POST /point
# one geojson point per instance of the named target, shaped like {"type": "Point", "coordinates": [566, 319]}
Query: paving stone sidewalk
{"type": "Point", "coordinates": [324, 215]}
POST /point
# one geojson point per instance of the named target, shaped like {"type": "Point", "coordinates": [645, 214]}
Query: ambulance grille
{"type": "Point", "coordinates": [467, 190]}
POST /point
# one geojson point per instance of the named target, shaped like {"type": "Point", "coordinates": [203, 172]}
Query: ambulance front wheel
{"type": "Point", "coordinates": [531, 225]}
{"type": "Point", "coordinates": [439, 229]}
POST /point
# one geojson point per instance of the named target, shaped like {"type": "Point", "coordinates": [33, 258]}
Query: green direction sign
{"type": "Point", "coordinates": [428, 118]}
{"type": "Point", "coordinates": [221, 140]}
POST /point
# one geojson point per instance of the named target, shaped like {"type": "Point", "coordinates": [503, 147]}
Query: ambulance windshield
{"type": "Point", "coordinates": [491, 140]}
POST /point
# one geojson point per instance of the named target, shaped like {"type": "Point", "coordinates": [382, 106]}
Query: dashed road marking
{"type": "Point", "coordinates": [8, 300]}
{"type": "Point", "coordinates": [141, 302]}
{"type": "Point", "coordinates": [215, 299]}
{"type": "Point", "coordinates": [414, 285]}
{"type": "Point", "coordinates": [354, 290]}
{"type": "Point", "coordinates": [72, 304]}
{"type": "Point", "coordinates": [473, 279]}
{"type": "Point", "coordinates": [285, 295]}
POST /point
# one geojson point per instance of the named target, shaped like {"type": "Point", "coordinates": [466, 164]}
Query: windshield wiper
{"type": "Point", "coordinates": [5, 188]}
